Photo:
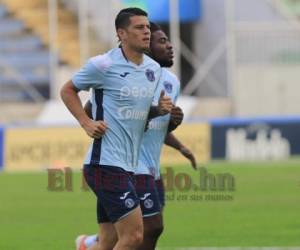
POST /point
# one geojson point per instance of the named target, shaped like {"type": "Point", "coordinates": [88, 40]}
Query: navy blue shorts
{"type": "Point", "coordinates": [115, 191]}
{"type": "Point", "coordinates": [145, 187]}
{"type": "Point", "coordinates": [161, 191]}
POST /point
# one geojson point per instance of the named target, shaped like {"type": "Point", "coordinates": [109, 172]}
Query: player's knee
{"type": "Point", "coordinates": [134, 240]}
{"type": "Point", "coordinates": [137, 237]}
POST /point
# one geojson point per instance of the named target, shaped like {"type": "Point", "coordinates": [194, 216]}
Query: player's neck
{"type": "Point", "coordinates": [133, 55]}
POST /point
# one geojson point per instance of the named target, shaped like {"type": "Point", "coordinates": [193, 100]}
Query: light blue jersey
{"type": "Point", "coordinates": [122, 93]}
{"type": "Point", "coordinates": [154, 138]}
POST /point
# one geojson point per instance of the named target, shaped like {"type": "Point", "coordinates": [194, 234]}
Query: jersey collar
{"type": "Point", "coordinates": [128, 61]}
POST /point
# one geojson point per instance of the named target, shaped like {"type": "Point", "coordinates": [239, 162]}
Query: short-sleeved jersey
{"type": "Point", "coordinates": [122, 93]}
{"type": "Point", "coordinates": [154, 137]}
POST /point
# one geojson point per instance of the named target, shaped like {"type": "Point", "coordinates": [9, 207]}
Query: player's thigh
{"type": "Point", "coordinates": [161, 192]}
{"type": "Point", "coordinates": [131, 225]}
{"type": "Point", "coordinates": [153, 225]}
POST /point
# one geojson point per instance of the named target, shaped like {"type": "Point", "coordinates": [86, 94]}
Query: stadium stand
{"type": "Point", "coordinates": [24, 63]}
{"type": "Point", "coordinates": [24, 53]}
{"type": "Point", "coordinates": [34, 14]}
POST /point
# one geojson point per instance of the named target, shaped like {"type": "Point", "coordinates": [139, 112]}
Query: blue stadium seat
{"type": "Point", "coordinates": [10, 26]}
{"type": "Point", "coordinates": [24, 43]}
{"type": "Point", "coordinates": [28, 76]}
{"type": "Point", "coordinates": [26, 59]}
{"type": "Point", "coordinates": [22, 56]}
{"type": "Point", "coordinates": [3, 11]}
{"type": "Point", "coordinates": [34, 70]}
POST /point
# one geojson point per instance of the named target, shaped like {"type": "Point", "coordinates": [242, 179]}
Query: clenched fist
{"type": "Point", "coordinates": [176, 115]}
{"type": "Point", "coordinates": [95, 129]}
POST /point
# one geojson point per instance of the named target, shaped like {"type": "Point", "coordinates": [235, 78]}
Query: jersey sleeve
{"type": "Point", "coordinates": [88, 77]}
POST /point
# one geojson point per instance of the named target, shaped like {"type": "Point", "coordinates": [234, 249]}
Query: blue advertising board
{"type": "Point", "coordinates": [1, 147]}
{"type": "Point", "coordinates": [189, 10]}
{"type": "Point", "coordinates": [255, 139]}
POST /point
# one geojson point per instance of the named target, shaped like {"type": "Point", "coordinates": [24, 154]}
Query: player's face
{"type": "Point", "coordinates": [161, 49]}
{"type": "Point", "coordinates": [137, 34]}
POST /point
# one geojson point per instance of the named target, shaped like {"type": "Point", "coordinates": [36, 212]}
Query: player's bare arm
{"type": "Point", "coordinates": [69, 95]}
{"type": "Point", "coordinates": [173, 142]}
{"type": "Point", "coordinates": [88, 109]}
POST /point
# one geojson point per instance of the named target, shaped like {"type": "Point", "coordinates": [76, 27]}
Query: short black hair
{"type": "Point", "coordinates": [154, 27]}
{"type": "Point", "coordinates": [123, 18]}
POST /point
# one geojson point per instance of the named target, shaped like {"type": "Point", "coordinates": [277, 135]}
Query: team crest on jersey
{"type": "Point", "coordinates": [148, 203]}
{"type": "Point", "coordinates": [150, 75]}
{"type": "Point", "coordinates": [129, 203]}
{"type": "Point", "coordinates": [168, 87]}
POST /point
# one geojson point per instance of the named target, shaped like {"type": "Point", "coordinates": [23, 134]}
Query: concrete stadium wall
{"type": "Point", "coordinates": [267, 90]}
{"type": "Point", "coordinates": [212, 28]}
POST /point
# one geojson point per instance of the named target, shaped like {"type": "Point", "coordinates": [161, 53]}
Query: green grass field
{"type": "Point", "coordinates": [263, 210]}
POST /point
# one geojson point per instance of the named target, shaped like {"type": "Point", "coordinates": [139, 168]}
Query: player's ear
{"type": "Point", "coordinates": [121, 34]}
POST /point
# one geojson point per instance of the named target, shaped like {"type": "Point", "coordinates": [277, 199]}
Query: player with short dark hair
{"type": "Point", "coordinates": [120, 109]}
{"type": "Point", "coordinates": [122, 20]}
{"type": "Point", "coordinates": [149, 185]}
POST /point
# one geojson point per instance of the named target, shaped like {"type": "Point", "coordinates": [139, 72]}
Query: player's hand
{"type": "Point", "coordinates": [95, 129]}
{"type": "Point", "coordinates": [189, 155]}
{"type": "Point", "coordinates": [176, 115]}
{"type": "Point", "coordinates": [164, 104]}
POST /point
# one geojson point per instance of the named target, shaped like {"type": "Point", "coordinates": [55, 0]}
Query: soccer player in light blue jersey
{"type": "Point", "coordinates": [158, 133]}
{"type": "Point", "coordinates": [123, 82]}
{"type": "Point", "coordinates": [148, 182]}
